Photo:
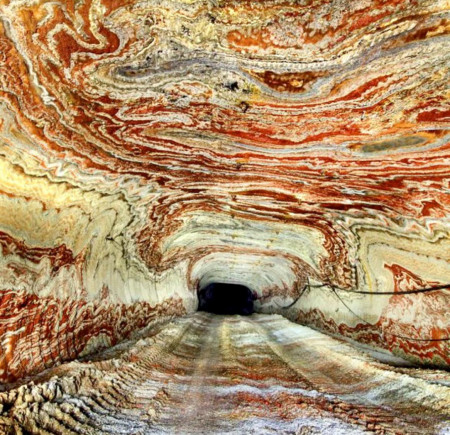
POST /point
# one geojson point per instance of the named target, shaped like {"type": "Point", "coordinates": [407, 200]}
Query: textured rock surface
{"type": "Point", "coordinates": [149, 148]}
{"type": "Point", "coordinates": [230, 374]}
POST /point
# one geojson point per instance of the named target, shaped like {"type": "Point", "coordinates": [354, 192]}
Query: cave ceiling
{"type": "Point", "coordinates": [149, 149]}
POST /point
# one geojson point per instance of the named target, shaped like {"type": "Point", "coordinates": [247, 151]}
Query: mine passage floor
{"type": "Point", "coordinates": [206, 374]}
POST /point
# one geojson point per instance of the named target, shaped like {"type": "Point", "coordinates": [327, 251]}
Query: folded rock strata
{"type": "Point", "coordinates": [151, 148]}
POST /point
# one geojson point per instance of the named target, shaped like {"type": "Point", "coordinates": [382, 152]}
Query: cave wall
{"type": "Point", "coordinates": [69, 282]}
{"type": "Point", "coordinates": [149, 148]}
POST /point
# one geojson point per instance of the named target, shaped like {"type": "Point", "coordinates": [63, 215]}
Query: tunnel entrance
{"type": "Point", "coordinates": [223, 298]}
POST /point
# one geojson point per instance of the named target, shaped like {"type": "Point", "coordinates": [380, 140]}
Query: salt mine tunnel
{"type": "Point", "coordinates": [224, 217]}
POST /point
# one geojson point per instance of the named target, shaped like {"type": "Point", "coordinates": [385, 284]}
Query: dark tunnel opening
{"type": "Point", "coordinates": [223, 298]}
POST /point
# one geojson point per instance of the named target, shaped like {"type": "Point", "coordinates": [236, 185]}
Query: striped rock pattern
{"type": "Point", "coordinates": [151, 148]}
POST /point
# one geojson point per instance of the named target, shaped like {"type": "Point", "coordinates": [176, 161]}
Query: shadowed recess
{"type": "Point", "coordinates": [223, 298]}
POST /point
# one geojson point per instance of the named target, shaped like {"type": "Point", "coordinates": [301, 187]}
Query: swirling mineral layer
{"type": "Point", "coordinates": [149, 149]}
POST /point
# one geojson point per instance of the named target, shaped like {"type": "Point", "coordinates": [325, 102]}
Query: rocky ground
{"type": "Point", "coordinates": [205, 374]}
